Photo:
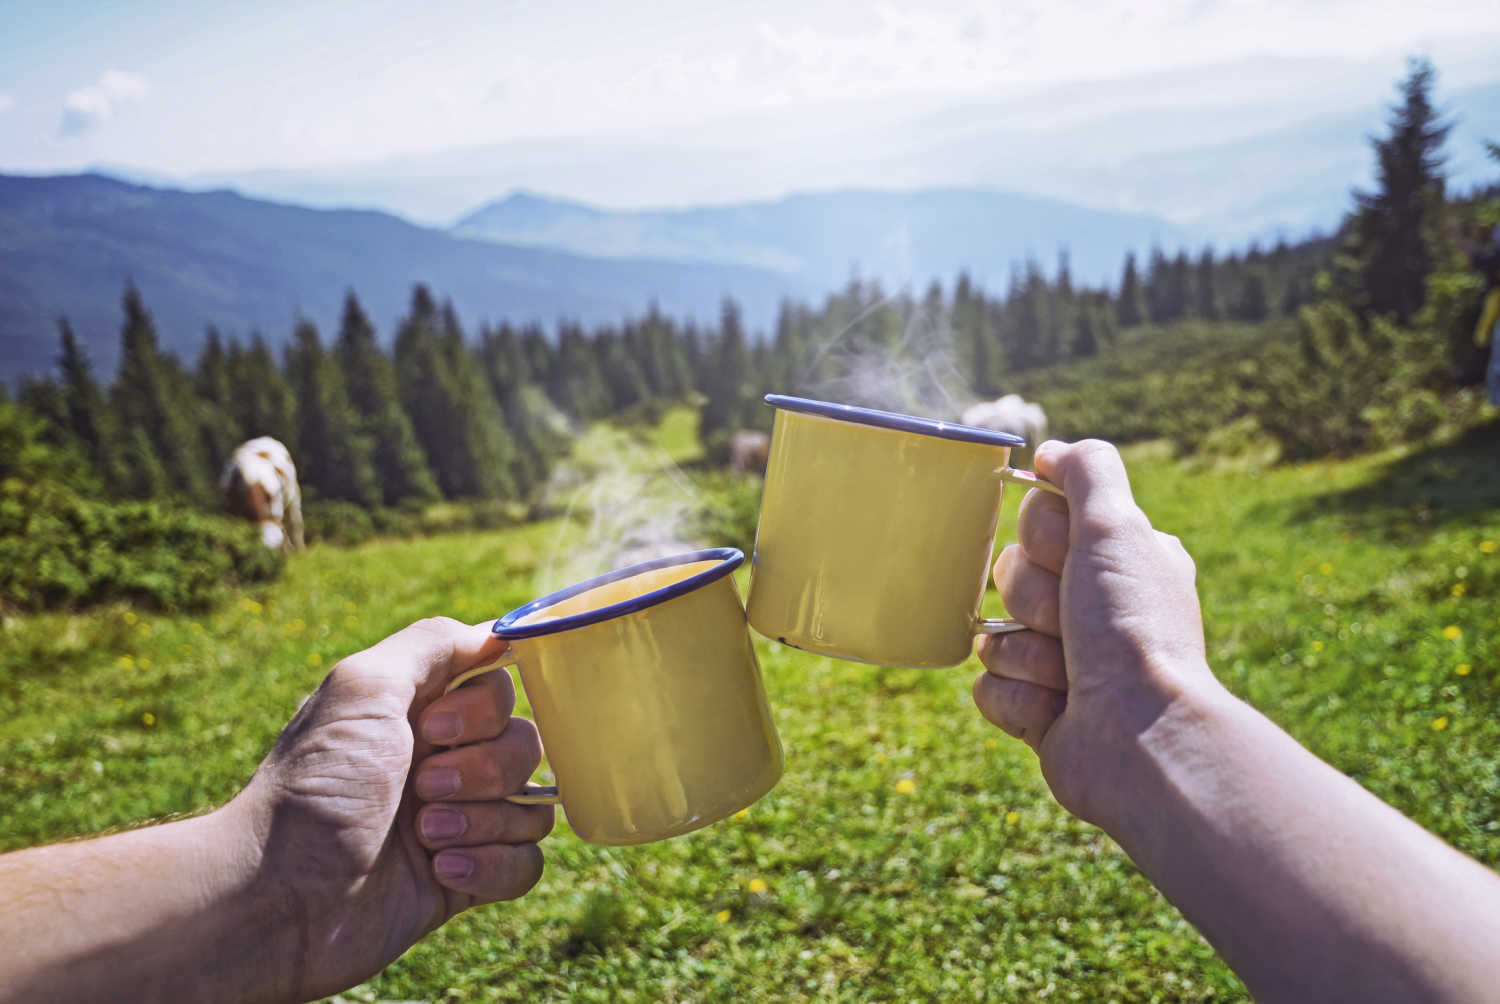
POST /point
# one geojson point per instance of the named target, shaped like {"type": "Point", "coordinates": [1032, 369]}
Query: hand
{"type": "Point", "coordinates": [1115, 630]}
{"type": "Point", "coordinates": [355, 796]}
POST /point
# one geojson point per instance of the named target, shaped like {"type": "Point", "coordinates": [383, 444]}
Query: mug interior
{"type": "Point", "coordinates": [619, 591]}
{"type": "Point", "coordinates": [623, 591]}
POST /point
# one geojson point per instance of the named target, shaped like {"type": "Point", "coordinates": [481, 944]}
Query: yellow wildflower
{"type": "Point", "coordinates": [126, 662]}
{"type": "Point", "coordinates": [742, 814]}
{"type": "Point", "coordinates": [722, 916]}
{"type": "Point", "coordinates": [143, 627]}
{"type": "Point", "coordinates": [757, 886]}
{"type": "Point", "coordinates": [1317, 646]}
{"type": "Point", "coordinates": [314, 659]}
{"type": "Point", "coordinates": [1440, 723]}
{"type": "Point", "coordinates": [992, 744]}
{"type": "Point", "coordinates": [880, 757]}
{"type": "Point", "coordinates": [1463, 669]}
{"type": "Point", "coordinates": [1486, 547]}
{"type": "Point", "coordinates": [253, 607]}
{"type": "Point", "coordinates": [148, 719]}
{"type": "Point", "coordinates": [1458, 589]}
{"type": "Point", "coordinates": [130, 617]}
{"type": "Point", "coordinates": [905, 786]}
{"type": "Point", "coordinates": [1012, 818]}
{"type": "Point", "coordinates": [1453, 632]}
{"type": "Point", "coordinates": [1325, 569]}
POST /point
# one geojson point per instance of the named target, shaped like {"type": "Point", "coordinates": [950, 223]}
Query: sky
{"type": "Point", "coordinates": [178, 88]}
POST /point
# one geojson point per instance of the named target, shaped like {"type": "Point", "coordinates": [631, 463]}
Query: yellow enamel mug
{"type": "Point", "coordinates": [645, 689]}
{"type": "Point", "coordinates": [876, 532]}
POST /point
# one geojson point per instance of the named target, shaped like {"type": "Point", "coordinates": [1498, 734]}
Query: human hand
{"type": "Point", "coordinates": [356, 796]}
{"type": "Point", "coordinates": [1115, 635]}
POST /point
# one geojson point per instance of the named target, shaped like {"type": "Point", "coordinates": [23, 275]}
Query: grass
{"type": "Point", "coordinates": [1343, 599]}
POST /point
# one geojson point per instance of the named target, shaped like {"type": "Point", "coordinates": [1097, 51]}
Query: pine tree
{"type": "Point", "coordinates": [727, 379]}
{"type": "Point", "coordinates": [1205, 292]}
{"type": "Point", "coordinates": [84, 409]}
{"type": "Point", "coordinates": [444, 391]}
{"type": "Point", "coordinates": [220, 427]}
{"type": "Point", "coordinates": [333, 455]}
{"type": "Point", "coordinates": [400, 466]}
{"type": "Point", "coordinates": [1131, 305]}
{"type": "Point", "coordinates": [152, 394]}
{"type": "Point", "coordinates": [1254, 300]}
{"type": "Point", "coordinates": [574, 382]}
{"type": "Point", "coordinates": [262, 399]}
{"type": "Point", "coordinates": [1395, 230]}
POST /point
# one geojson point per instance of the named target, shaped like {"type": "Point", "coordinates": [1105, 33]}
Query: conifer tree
{"type": "Point", "coordinates": [153, 395]}
{"type": "Point", "coordinates": [262, 398]}
{"type": "Point", "coordinates": [456, 418]}
{"type": "Point", "coordinates": [400, 466]}
{"type": "Point", "coordinates": [728, 383]}
{"type": "Point", "coordinates": [1396, 228]}
{"type": "Point", "coordinates": [84, 408]}
{"type": "Point", "coordinates": [333, 455]}
{"type": "Point", "coordinates": [1131, 305]}
{"type": "Point", "coordinates": [1205, 293]}
{"type": "Point", "coordinates": [219, 426]}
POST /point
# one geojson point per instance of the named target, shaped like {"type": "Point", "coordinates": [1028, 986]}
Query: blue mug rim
{"type": "Point", "coordinates": [895, 420]}
{"type": "Point", "coordinates": [728, 558]}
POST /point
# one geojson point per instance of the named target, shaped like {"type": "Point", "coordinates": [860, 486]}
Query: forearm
{"type": "Point", "coordinates": [170, 912]}
{"type": "Point", "coordinates": [1309, 886]}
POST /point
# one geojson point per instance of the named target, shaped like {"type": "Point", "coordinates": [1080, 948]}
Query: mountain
{"type": "Point", "coordinates": [895, 237]}
{"type": "Point", "coordinates": [1193, 146]}
{"type": "Point", "coordinates": [68, 245]}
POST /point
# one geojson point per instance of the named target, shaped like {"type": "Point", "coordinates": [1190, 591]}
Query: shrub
{"type": "Point", "coordinates": [61, 549]}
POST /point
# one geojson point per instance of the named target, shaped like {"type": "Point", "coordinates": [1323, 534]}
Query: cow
{"type": "Point", "coordinates": [1013, 414]}
{"type": "Point", "coordinates": [259, 483]}
{"type": "Point", "coordinates": [748, 451]}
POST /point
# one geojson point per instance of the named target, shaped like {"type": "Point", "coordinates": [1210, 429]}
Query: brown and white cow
{"type": "Point", "coordinates": [259, 482]}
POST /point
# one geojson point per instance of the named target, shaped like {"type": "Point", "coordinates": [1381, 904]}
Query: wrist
{"type": "Point", "coordinates": [1167, 720]}
{"type": "Point", "coordinates": [1187, 739]}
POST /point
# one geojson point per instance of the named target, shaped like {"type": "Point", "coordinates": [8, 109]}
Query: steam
{"type": "Point", "coordinates": [624, 501]}
{"type": "Point", "coordinates": [914, 367]}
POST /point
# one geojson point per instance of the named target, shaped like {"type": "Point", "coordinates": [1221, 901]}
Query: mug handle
{"type": "Point", "coordinates": [535, 794]}
{"type": "Point", "coordinates": [1016, 476]}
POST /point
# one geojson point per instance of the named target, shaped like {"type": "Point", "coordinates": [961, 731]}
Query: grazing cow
{"type": "Point", "coordinates": [260, 483]}
{"type": "Point", "coordinates": [1013, 414]}
{"type": "Point", "coordinates": [748, 451]}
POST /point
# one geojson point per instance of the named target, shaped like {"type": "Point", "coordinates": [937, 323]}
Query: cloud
{"type": "Point", "coordinates": [88, 106]}
{"type": "Point", "coordinates": [7, 102]}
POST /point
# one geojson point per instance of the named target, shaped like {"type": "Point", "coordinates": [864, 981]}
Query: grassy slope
{"type": "Point", "coordinates": [1327, 589]}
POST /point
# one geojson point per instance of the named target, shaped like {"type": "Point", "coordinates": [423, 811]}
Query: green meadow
{"type": "Point", "coordinates": [911, 850]}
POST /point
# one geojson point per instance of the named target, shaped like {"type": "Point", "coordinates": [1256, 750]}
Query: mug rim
{"type": "Point", "coordinates": [729, 558]}
{"type": "Point", "coordinates": [894, 420]}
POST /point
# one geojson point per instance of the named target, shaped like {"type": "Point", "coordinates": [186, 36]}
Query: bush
{"type": "Point", "coordinates": [336, 522]}
{"type": "Point", "coordinates": [60, 549]}
{"type": "Point", "coordinates": [731, 509]}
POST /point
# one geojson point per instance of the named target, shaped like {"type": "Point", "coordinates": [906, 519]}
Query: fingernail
{"type": "Point", "coordinates": [437, 782]}
{"type": "Point", "coordinates": [453, 865]}
{"type": "Point", "coordinates": [444, 824]}
{"type": "Point", "coordinates": [442, 726]}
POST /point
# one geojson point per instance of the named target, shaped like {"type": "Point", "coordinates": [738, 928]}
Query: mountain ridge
{"type": "Point", "coordinates": [70, 243]}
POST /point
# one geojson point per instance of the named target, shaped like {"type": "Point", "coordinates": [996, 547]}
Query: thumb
{"type": "Point", "coordinates": [1093, 479]}
{"type": "Point", "coordinates": [419, 660]}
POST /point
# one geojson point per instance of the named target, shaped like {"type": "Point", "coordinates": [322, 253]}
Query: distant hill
{"type": "Point", "coordinates": [68, 244]}
{"type": "Point", "coordinates": [821, 237]}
